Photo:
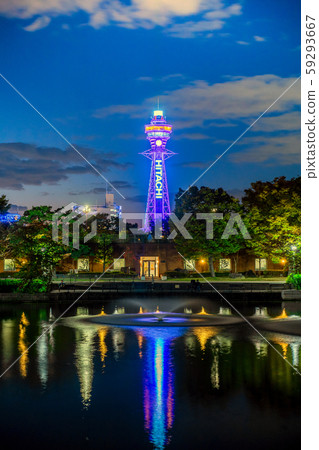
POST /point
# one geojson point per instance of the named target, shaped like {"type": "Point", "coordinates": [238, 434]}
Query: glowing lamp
{"type": "Point", "coordinates": [158, 143]}
{"type": "Point", "coordinates": [158, 113]}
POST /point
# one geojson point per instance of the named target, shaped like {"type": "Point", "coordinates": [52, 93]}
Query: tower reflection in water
{"type": "Point", "coordinates": [158, 382]}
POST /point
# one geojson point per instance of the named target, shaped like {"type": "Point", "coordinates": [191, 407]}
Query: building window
{"type": "Point", "coordinates": [260, 264]}
{"type": "Point", "coordinates": [189, 264]}
{"type": "Point", "coordinates": [9, 264]}
{"type": "Point", "coordinates": [118, 264]}
{"type": "Point", "coordinates": [225, 264]}
{"type": "Point", "coordinates": [83, 265]}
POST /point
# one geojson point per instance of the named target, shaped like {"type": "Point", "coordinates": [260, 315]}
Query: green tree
{"type": "Point", "coordinates": [4, 204]}
{"type": "Point", "coordinates": [106, 232]}
{"type": "Point", "coordinates": [274, 211]}
{"type": "Point", "coordinates": [213, 201]}
{"type": "Point", "coordinates": [29, 242]}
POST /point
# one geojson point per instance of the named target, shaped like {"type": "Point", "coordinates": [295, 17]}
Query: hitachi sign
{"type": "Point", "coordinates": [158, 178]}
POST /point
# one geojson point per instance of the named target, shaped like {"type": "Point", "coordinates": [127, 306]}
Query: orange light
{"type": "Point", "coordinates": [283, 315]}
{"type": "Point", "coordinates": [203, 312]}
{"type": "Point", "coordinates": [157, 128]}
{"type": "Point", "coordinates": [283, 261]}
{"type": "Point", "coordinates": [202, 261]}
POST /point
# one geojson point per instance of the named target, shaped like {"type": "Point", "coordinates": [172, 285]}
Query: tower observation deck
{"type": "Point", "coordinates": [158, 133]}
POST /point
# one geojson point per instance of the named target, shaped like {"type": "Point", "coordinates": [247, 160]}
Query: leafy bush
{"type": "Point", "coordinates": [34, 286]}
{"type": "Point", "coordinates": [295, 280]}
{"type": "Point", "coordinates": [9, 285]}
{"type": "Point", "coordinates": [9, 274]}
{"type": "Point", "coordinates": [272, 273]}
{"type": "Point", "coordinates": [176, 274]}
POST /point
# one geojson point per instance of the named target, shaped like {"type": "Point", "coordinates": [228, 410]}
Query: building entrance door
{"type": "Point", "coordinates": [149, 266]}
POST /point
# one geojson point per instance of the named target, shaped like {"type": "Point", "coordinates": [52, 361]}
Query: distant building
{"type": "Point", "coordinates": [9, 218]}
{"type": "Point", "coordinates": [110, 208]}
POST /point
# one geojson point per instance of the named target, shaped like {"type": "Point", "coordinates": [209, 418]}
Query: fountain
{"type": "Point", "coordinates": [224, 311]}
{"type": "Point", "coordinates": [161, 318]}
{"type": "Point", "coordinates": [261, 312]}
{"type": "Point", "coordinates": [283, 315]}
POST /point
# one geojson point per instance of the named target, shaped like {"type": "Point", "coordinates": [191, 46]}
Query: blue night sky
{"type": "Point", "coordinates": [95, 68]}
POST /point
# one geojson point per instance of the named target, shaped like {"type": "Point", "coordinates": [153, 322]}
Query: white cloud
{"type": "Point", "coordinates": [259, 39]}
{"type": "Point", "coordinates": [212, 20]}
{"type": "Point", "coordinates": [202, 104]}
{"type": "Point", "coordinates": [269, 151]}
{"type": "Point", "coordinates": [40, 22]}
{"type": "Point", "coordinates": [207, 15]}
{"type": "Point", "coordinates": [242, 43]}
{"type": "Point", "coordinates": [237, 101]}
{"type": "Point", "coordinates": [283, 122]}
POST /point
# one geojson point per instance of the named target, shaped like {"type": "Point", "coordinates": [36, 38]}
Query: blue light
{"type": "Point", "coordinates": [159, 383]}
{"type": "Point", "coordinates": [9, 218]}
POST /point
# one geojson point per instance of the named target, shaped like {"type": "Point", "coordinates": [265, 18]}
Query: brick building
{"type": "Point", "coordinates": [156, 259]}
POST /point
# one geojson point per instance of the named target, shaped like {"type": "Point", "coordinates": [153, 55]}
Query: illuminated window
{"type": "Point", "coordinates": [225, 264]}
{"type": "Point", "coordinates": [260, 264]}
{"type": "Point", "coordinates": [118, 264]}
{"type": "Point", "coordinates": [189, 264]}
{"type": "Point", "coordinates": [83, 264]}
{"type": "Point", "coordinates": [9, 264]}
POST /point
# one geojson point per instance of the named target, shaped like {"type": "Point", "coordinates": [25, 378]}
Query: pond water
{"type": "Point", "coordinates": [90, 386]}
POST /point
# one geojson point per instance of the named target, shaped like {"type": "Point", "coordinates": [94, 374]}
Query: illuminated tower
{"type": "Point", "coordinates": [158, 132]}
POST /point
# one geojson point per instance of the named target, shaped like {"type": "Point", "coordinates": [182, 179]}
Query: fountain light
{"type": "Point", "coordinates": [102, 313]}
{"type": "Point", "coordinates": [202, 311]}
{"type": "Point", "coordinates": [283, 315]}
{"type": "Point", "coordinates": [140, 310]}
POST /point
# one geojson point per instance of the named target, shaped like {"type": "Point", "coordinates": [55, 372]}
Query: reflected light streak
{"type": "Point", "coordinates": [140, 339]}
{"type": "Point", "coordinates": [203, 334]}
{"type": "Point", "coordinates": [159, 384]}
{"type": "Point", "coordinates": [43, 350]}
{"type": "Point", "coordinates": [102, 345]}
{"type": "Point", "coordinates": [7, 339]}
{"type": "Point", "coordinates": [23, 346]}
{"type": "Point", "coordinates": [84, 349]}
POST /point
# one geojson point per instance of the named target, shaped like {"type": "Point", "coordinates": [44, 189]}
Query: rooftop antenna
{"type": "Point", "coordinates": [158, 103]}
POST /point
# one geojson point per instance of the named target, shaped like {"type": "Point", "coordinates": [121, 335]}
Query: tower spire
{"type": "Point", "coordinates": [158, 133]}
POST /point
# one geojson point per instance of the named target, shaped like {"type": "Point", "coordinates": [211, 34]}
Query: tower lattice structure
{"type": "Point", "coordinates": [158, 133]}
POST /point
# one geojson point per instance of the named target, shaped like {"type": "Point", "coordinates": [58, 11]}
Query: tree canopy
{"type": "Point", "coordinates": [213, 201]}
{"type": "Point", "coordinates": [274, 212]}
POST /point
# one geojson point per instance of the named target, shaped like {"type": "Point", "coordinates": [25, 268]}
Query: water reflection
{"type": "Point", "coordinates": [84, 351]}
{"type": "Point", "coordinates": [7, 339]}
{"type": "Point", "coordinates": [203, 334]}
{"type": "Point", "coordinates": [118, 339]}
{"type": "Point", "coordinates": [102, 344]}
{"type": "Point", "coordinates": [140, 339]}
{"type": "Point", "coordinates": [42, 350]}
{"type": "Point", "coordinates": [23, 345]}
{"type": "Point", "coordinates": [214, 365]}
{"type": "Point", "coordinates": [158, 384]}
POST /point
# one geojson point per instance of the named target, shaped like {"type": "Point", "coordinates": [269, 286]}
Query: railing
{"type": "Point", "coordinates": [102, 287]}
